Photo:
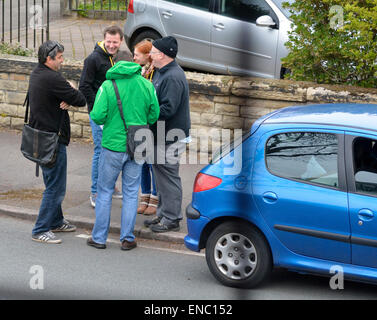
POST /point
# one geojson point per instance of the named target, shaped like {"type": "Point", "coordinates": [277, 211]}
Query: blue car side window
{"type": "Point", "coordinates": [365, 165]}
{"type": "Point", "coordinates": [306, 156]}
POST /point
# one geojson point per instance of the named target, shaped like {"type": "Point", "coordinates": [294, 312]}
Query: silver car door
{"type": "Point", "coordinates": [239, 44]}
{"type": "Point", "coordinates": [189, 22]}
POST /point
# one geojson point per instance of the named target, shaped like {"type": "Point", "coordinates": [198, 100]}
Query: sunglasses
{"type": "Point", "coordinates": [56, 45]}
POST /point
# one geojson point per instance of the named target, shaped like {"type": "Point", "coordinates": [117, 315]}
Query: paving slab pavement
{"type": "Point", "coordinates": [21, 192]}
{"type": "Point", "coordinates": [77, 34]}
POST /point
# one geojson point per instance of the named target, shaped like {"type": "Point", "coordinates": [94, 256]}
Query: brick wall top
{"type": "Point", "coordinates": [219, 85]}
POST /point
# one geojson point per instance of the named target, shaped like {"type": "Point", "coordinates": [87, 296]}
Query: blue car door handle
{"type": "Point", "coordinates": [270, 197]}
{"type": "Point", "coordinates": [366, 213]}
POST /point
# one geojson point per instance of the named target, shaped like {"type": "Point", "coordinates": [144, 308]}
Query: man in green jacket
{"type": "Point", "coordinates": [140, 107]}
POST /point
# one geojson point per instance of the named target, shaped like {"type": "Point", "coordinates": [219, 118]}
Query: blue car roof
{"type": "Point", "coordinates": [363, 116]}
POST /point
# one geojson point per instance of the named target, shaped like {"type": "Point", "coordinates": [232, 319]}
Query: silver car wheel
{"type": "Point", "coordinates": [235, 256]}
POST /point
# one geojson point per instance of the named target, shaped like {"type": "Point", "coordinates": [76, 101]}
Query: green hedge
{"type": "Point", "coordinates": [333, 42]}
{"type": "Point", "coordinates": [101, 5]}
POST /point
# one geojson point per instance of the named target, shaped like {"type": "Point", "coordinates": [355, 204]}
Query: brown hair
{"type": "Point", "coordinates": [113, 30]}
{"type": "Point", "coordinates": [144, 46]}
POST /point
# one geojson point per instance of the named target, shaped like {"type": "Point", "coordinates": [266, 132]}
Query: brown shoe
{"type": "Point", "coordinates": [90, 242]}
{"type": "Point", "coordinates": [126, 245]}
{"type": "Point", "coordinates": [152, 206]}
{"type": "Point", "coordinates": [144, 201]}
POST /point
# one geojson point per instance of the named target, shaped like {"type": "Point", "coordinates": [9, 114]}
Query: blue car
{"type": "Point", "coordinates": [298, 191]}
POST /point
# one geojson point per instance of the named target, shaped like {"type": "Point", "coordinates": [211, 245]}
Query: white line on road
{"type": "Point", "coordinates": [145, 246]}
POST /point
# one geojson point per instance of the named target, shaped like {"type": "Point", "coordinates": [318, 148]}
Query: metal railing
{"type": "Point", "coordinates": [26, 18]}
{"type": "Point", "coordinates": [98, 6]}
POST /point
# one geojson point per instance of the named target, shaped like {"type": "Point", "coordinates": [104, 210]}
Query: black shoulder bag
{"type": "Point", "coordinates": [132, 144]}
{"type": "Point", "coordinates": [37, 145]}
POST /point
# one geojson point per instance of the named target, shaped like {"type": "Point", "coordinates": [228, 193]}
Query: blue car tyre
{"type": "Point", "coordinates": [238, 255]}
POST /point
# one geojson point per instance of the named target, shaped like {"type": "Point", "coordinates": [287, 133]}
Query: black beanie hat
{"type": "Point", "coordinates": [167, 45]}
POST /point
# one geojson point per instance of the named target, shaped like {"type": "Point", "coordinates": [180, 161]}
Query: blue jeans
{"type": "Point", "coordinates": [146, 176]}
{"type": "Point", "coordinates": [97, 140]}
{"type": "Point", "coordinates": [110, 165]}
{"type": "Point", "coordinates": [55, 179]}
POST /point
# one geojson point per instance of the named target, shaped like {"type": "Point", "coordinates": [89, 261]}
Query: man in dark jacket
{"type": "Point", "coordinates": [92, 77]}
{"type": "Point", "coordinates": [50, 95]}
{"type": "Point", "coordinates": [171, 133]}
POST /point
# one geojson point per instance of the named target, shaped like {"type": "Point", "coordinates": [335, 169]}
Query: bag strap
{"type": "Point", "coordinates": [26, 118]}
{"type": "Point", "coordinates": [27, 107]}
{"type": "Point", "coordinates": [119, 102]}
{"type": "Point", "coordinates": [27, 102]}
{"type": "Point", "coordinates": [61, 122]}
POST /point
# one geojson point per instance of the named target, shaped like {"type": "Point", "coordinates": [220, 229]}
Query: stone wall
{"type": "Point", "coordinates": [14, 79]}
{"type": "Point", "coordinates": [217, 102]}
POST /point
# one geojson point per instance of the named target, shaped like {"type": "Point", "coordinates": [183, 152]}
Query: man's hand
{"type": "Point", "coordinates": [64, 105]}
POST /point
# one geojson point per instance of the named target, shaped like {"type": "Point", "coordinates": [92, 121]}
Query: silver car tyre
{"type": "Point", "coordinates": [144, 35]}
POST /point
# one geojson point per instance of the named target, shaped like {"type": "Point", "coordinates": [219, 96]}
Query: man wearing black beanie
{"type": "Point", "coordinates": [171, 133]}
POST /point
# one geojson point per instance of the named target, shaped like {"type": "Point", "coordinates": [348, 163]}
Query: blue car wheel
{"type": "Point", "coordinates": [238, 255]}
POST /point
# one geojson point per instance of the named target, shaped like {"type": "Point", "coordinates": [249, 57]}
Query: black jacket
{"type": "Point", "coordinates": [173, 96]}
{"type": "Point", "coordinates": [47, 89]}
{"type": "Point", "coordinates": [94, 73]}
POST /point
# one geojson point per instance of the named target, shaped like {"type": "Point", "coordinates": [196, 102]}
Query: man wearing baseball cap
{"type": "Point", "coordinates": [171, 133]}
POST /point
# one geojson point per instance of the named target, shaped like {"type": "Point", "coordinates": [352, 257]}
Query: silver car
{"type": "Point", "coordinates": [235, 37]}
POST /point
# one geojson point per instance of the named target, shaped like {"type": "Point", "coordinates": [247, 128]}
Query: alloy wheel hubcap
{"type": "Point", "coordinates": [235, 256]}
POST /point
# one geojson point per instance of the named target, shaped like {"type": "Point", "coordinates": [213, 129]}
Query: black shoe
{"type": "Point", "coordinates": [65, 227]}
{"type": "Point", "coordinates": [153, 221]}
{"type": "Point", "coordinates": [161, 227]}
{"type": "Point", "coordinates": [90, 242]}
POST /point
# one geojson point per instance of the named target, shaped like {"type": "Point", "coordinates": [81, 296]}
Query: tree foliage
{"type": "Point", "coordinates": [333, 41]}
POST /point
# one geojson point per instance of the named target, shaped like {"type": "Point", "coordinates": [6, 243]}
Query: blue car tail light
{"type": "Point", "coordinates": [205, 182]}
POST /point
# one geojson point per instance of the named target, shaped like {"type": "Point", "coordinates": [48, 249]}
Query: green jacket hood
{"type": "Point", "coordinates": [123, 69]}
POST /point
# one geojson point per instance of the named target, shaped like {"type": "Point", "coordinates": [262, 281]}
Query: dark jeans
{"type": "Point", "coordinates": [146, 177]}
{"type": "Point", "coordinates": [55, 179]}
